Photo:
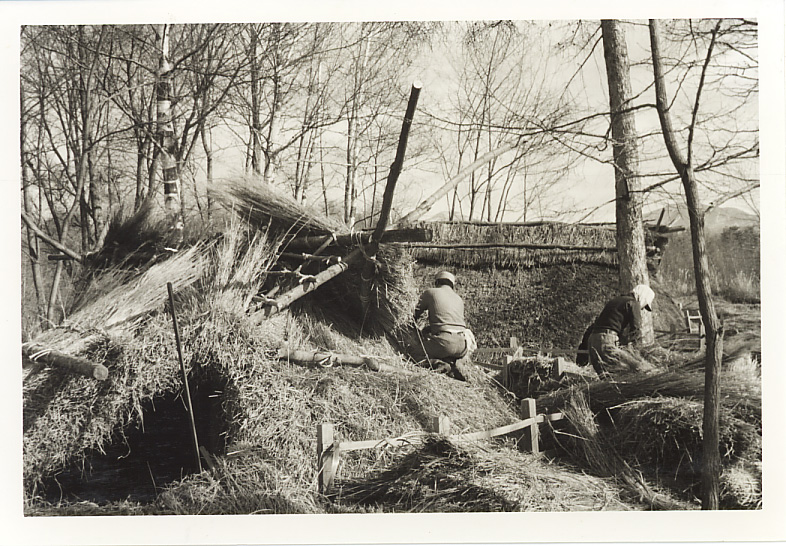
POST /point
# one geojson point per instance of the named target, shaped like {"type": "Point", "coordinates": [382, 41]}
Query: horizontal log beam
{"type": "Point", "coordinates": [328, 359]}
{"type": "Point", "coordinates": [413, 235]}
{"type": "Point", "coordinates": [37, 353]}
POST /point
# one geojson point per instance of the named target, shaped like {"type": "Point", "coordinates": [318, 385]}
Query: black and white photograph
{"type": "Point", "coordinates": [334, 274]}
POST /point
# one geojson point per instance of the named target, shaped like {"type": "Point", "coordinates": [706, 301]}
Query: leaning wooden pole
{"type": "Point", "coordinates": [185, 376]}
{"type": "Point", "coordinates": [427, 203]}
{"type": "Point", "coordinates": [285, 300]}
{"type": "Point", "coordinates": [369, 267]}
{"type": "Point", "coordinates": [398, 162]}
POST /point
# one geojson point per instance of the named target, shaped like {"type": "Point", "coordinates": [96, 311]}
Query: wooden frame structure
{"type": "Point", "coordinates": [329, 449]}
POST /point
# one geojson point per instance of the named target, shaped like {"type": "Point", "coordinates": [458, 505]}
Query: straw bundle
{"type": "Point", "coordinates": [262, 206]}
{"type": "Point", "coordinates": [241, 262]}
{"type": "Point", "coordinates": [663, 436]}
{"type": "Point", "coordinates": [740, 395]}
{"type": "Point", "coordinates": [441, 476]}
{"type": "Point", "coordinates": [115, 300]}
{"type": "Point", "coordinates": [531, 377]}
{"type": "Point", "coordinates": [592, 447]}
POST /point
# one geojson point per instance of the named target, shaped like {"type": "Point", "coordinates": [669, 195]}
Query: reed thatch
{"type": "Point", "coordinates": [654, 425]}
{"type": "Point", "coordinates": [592, 447]}
{"type": "Point", "coordinates": [266, 207]}
{"type": "Point", "coordinates": [599, 240]}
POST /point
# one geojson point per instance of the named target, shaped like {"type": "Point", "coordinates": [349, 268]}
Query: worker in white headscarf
{"type": "Point", "coordinates": [621, 314]}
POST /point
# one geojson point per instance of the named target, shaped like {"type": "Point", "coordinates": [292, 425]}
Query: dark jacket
{"type": "Point", "coordinates": [620, 313]}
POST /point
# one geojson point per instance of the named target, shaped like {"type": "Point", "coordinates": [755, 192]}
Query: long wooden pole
{"type": "Point", "coordinates": [407, 235]}
{"type": "Point", "coordinates": [286, 299]}
{"type": "Point", "coordinates": [398, 162]}
{"type": "Point", "coordinates": [185, 376]}
{"type": "Point", "coordinates": [427, 203]}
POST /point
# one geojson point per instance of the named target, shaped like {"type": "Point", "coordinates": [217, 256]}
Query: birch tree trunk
{"type": "Point", "coordinates": [683, 163]}
{"type": "Point", "coordinates": [630, 230]}
{"type": "Point", "coordinates": [166, 141]}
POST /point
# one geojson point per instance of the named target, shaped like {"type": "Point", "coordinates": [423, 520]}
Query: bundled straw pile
{"type": "Point", "coordinates": [592, 447]}
{"type": "Point", "coordinates": [441, 476]}
{"type": "Point", "coordinates": [663, 436]}
{"type": "Point", "coordinates": [654, 424]}
{"type": "Point", "coordinates": [531, 377]}
{"type": "Point", "coordinates": [263, 206]}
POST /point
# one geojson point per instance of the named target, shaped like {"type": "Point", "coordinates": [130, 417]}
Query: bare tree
{"type": "Point", "coordinates": [682, 156]}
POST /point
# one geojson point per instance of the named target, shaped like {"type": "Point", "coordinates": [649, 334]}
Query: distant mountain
{"type": "Point", "coordinates": [716, 219]}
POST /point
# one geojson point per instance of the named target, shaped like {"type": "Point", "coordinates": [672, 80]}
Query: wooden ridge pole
{"type": "Point", "coordinates": [185, 376]}
{"type": "Point", "coordinates": [402, 235]}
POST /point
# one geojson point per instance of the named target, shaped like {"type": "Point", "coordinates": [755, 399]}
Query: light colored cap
{"type": "Point", "coordinates": [644, 295]}
{"type": "Point", "coordinates": [446, 276]}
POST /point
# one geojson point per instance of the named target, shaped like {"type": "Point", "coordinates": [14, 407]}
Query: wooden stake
{"type": "Point", "coordinates": [185, 376]}
{"type": "Point", "coordinates": [531, 438]}
{"type": "Point", "coordinates": [441, 425]}
{"type": "Point", "coordinates": [327, 457]}
{"type": "Point", "coordinates": [557, 368]}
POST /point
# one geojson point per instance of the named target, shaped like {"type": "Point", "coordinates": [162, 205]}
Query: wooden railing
{"type": "Point", "coordinates": [329, 450]}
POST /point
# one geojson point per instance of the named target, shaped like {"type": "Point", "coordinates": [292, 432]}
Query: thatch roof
{"type": "Point", "coordinates": [579, 244]}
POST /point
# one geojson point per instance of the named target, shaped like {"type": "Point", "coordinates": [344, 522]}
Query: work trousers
{"type": "Point", "coordinates": [441, 345]}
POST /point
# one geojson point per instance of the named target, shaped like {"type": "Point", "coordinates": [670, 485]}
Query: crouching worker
{"type": "Point", "coordinates": [621, 313]}
{"type": "Point", "coordinates": [446, 337]}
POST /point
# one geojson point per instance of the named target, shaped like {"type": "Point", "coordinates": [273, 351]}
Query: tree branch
{"type": "Point", "coordinates": [47, 239]}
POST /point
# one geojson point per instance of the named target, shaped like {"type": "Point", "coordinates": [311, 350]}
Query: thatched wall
{"type": "Point", "coordinates": [546, 298]}
{"type": "Point", "coordinates": [600, 243]}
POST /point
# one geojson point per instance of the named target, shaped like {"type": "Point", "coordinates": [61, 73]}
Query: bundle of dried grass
{"type": "Point", "coordinates": [531, 377]}
{"type": "Point", "coordinates": [594, 448]}
{"type": "Point", "coordinates": [115, 301]}
{"type": "Point", "coordinates": [441, 476]}
{"type": "Point", "coordinates": [740, 395]}
{"type": "Point", "coordinates": [240, 265]}
{"type": "Point", "coordinates": [263, 206]}
{"type": "Point", "coordinates": [135, 239]}
{"type": "Point", "coordinates": [392, 290]}
{"type": "Point", "coordinates": [663, 437]}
